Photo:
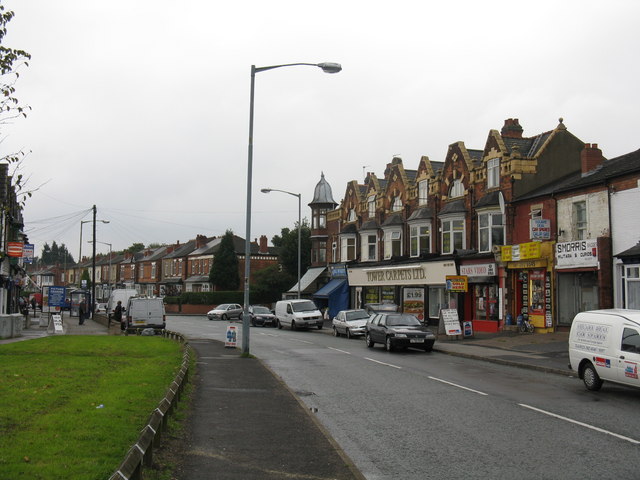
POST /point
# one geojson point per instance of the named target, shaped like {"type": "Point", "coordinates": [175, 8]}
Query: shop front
{"type": "Point", "coordinates": [530, 267]}
{"type": "Point", "coordinates": [334, 296]}
{"type": "Point", "coordinates": [484, 297]}
{"type": "Point", "coordinates": [417, 288]}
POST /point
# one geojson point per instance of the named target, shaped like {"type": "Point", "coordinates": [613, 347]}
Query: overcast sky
{"type": "Point", "coordinates": [142, 107]}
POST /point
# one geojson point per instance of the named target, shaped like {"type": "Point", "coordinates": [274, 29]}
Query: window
{"type": "Point", "coordinates": [493, 173]}
{"type": "Point", "coordinates": [396, 205]}
{"type": "Point", "coordinates": [347, 248]}
{"type": "Point", "coordinates": [352, 215]}
{"type": "Point", "coordinates": [436, 301]}
{"type": "Point", "coordinates": [392, 243]}
{"type": "Point", "coordinates": [452, 235]}
{"type": "Point", "coordinates": [153, 270]}
{"type": "Point", "coordinates": [369, 242]}
{"type": "Point", "coordinates": [423, 192]}
{"type": "Point", "coordinates": [580, 219]}
{"type": "Point", "coordinates": [319, 218]}
{"type": "Point", "coordinates": [630, 340]}
{"type": "Point", "coordinates": [490, 230]}
{"type": "Point", "coordinates": [420, 240]}
{"type": "Point", "coordinates": [322, 251]}
{"type": "Point", "coordinates": [371, 204]}
{"type": "Point", "coordinates": [632, 287]}
{"type": "Point", "coordinates": [457, 189]}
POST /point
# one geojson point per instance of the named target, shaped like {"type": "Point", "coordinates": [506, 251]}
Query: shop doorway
{"type": "Point", "coordinates": [577, 292]}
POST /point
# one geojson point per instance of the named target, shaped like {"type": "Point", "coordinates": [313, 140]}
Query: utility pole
{"type": "Point", "coordinates": [93, 263]}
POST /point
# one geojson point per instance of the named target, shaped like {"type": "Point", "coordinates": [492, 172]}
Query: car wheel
{"type": "Point", "coordinates": [319, 326]}
{"type": "Point", "coordinates": [224, 316]}
{"type": "Point", "coordinates": [591, 378]}
{"type": "Point", "coordinates": [387, 345]}
{"type": "Point", "coordinates": [293, 324]}
{"type": "Point", "coordinates": [428, 348]}
{"type": "Point", "coordinates": [278, 324]}
{"type": "Point", "coordinates": [369, 342]}
{"type": "Point", "coordinates": [335, 332]}
{"type": "Point", "coordinates": [348, 334]}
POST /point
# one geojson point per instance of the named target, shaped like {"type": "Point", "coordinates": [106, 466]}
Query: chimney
{"type": "Point", "coordinates": [201, 240]}
{"type": "Point", "coordinates": [590, 157]}
{"type": "Point", "coordinates": [511, 128]}
{"type": "Point", "coordinates": [263, 244]}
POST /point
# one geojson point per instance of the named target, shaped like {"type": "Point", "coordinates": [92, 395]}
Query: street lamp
{"type": "Point", "coordinates": [81, 224]}
{"type": "Point", "coordinates": [268, 190]}
{"type": "Point", "coordinates": [326, 67]}
{"type": "Point", "coordinates": [109, 277]}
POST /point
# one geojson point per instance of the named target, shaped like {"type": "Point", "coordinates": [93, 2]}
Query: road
{"type": "Point", "coordinates": [415, 415]}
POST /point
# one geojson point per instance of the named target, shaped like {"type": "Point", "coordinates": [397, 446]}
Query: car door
{"type": "Point", "coordinates": [340, 323]}
{"type": "Point", "coordinates": [377, 329]}
{"type": "Point", "coordinates": [629, 356]}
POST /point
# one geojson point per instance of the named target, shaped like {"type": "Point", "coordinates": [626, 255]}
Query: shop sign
{"type": "Point", "coordinates": [427, 273]}
{"type": "Point", "coordinates": [449, 319]}
{"type": "Point", "coordinates": [540, 229]}
{"type": "Point", "coordinates": [523, 251]}
{"type": "Point", "coordinates": [479, 270]}
{"type": "Point", "coordinates": [14, 249]}
{"type": "Point", "coordinates": [457, 283]}
{"type": "Point", "coordinates": [581, 253]}
{"type": "Point", "coordinates": [413, 302]}
{"type": "Point", "coordinates": [28, 252]}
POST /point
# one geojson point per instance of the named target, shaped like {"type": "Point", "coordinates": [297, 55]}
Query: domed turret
{"type": "Point", "coordinates": [322, 195]}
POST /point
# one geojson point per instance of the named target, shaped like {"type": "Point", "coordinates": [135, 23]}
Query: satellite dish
{"type": "Point", "coordinates": [501, 202]}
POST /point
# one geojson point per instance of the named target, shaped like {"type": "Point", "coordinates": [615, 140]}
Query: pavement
{"type": "Point", "coordinates": [247, 424]}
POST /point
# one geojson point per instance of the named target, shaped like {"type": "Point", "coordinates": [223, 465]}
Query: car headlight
{"type": "Point", "coordinates": [400, 335]}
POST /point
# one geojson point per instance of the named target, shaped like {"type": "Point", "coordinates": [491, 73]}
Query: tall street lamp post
{"type": "Point", "coordinates": [81, 225]}
{"type": "Point", "coordinates": [109, 275]}
{"type": "Point", "coordinates": [268, 190]}
{"type": "Point", "coordinates": [326, 67]}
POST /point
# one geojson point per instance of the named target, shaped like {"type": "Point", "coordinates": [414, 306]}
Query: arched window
{"type": "Point", "coordinates": [457, 189]}
{"type": "Point", "coordinates": [396, 205]}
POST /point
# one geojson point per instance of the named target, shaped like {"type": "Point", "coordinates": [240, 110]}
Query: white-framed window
{"type": "Point", "coordinates": [396, 205]}
{"type": "Point", "coordinates": [352, 215]}
{"type": "Point", "coordinates": [493, 173]}
{"type": "Point", "coordinates": [632, 287]}
{"type": "Point", "coordinates": [580, 220]}
{"type": "Point", "coordinates": [347, 248]}
{"type": "Point", "coordinates": [392, 243]}
{"type": "Point", "coordinates": [457, 189]}
{"type": "Point", "coordinates": [423, 192]}
{"type": "Point", "coordinates": [419, 239]}
{"type": "Point", "coordinates": [153, 269]}
{"type": "Point", "coordinates": [371, 206]}
{"type": "Point", "coordinates": [453, 237]}
{"type": "Point", "coordinates": [490, 230]}
{"type": "Point", "coordinates": [369, 246]}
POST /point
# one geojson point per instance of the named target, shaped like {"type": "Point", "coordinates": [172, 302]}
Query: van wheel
{"type": "Point", "coordinates": [278, 324]}
{"type": "Point", "coordinates": [591, 378]}
{"type": "Point", "coordinates": [293, 324]}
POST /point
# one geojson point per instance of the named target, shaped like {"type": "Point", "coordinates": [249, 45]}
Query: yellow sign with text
{"type": "Point", "coordinates": [522, 251]}
{"type": "Point", "coordinates": [457, 283]}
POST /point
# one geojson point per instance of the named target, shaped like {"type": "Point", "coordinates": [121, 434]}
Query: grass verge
{"type": "Point", "coordinates": [71, 407]}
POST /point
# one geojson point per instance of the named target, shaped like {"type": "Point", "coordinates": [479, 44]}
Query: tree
{"type": "Point", "coordinates": [11, 60]}
{"type": "Point", "coordinates": [54, 254]}
{"type": "Point", "coordinates": [268, 284]}
{"type": "Point", "coordinates": [136, 247]}
{"type": "Point", "coordinates": [224, 272]}
{"type": "Point", "coordinates": [288, 244]}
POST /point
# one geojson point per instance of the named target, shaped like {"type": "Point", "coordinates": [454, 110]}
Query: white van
{"type": "Point", "coordinates": [298, 314]}
{"type": "Point", "coordinates": [605, 345]}
{"type": "Point", "coordinates": [122, 294]}
{"type": "Point", "coordinates": [145, 312]}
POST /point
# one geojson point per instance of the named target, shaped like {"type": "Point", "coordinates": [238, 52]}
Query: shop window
{"type": "Point", "coordinates": [490, 230]}
{"type": "Point", "coordinates": [371, 295]}
{"type": "Point", "coordinates": [452, 235]}
{"type": "Point", "coordinates": [436, 301]}
{"type": "Point", "coordinates": [423, 192]}
{"type": "Point", "coordinates": [392, 244]}
{"type": "Point", "coordinates": [420, 240]}
{"type": "Point", "coordinates": [486, 301]}
{"type": "Point", "coordinates": [536, 292]}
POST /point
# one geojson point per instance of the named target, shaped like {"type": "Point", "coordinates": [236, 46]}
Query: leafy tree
{"type": "Point", "coordinates": [224, 272]}
{"type": "Point", "coordinates": [136, 247]}
{"type": "Point", "coordinates": [55, 254]}
{"type": "Point", "coordinates": [288, 244]}
{"type": "Point", "coordinates": [268, 284]}
{"type": "Point", "coordinates": [11, 60]}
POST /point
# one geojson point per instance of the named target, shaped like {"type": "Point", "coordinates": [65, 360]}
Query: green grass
{"type": "Point", "coordinates": [50, 391]}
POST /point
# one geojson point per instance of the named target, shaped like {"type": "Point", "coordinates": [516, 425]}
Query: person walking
{"type": "Point", "coordinates": [81, 311]}
{"type": "Point", "coordinates": [117, 314]}
{"type": "Point", "coordinates": [33, 305]}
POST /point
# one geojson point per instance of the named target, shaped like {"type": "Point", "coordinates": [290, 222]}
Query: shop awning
{"type": "Point", "coordinates": [329, 288]}
{"type": "Point", "coordinates": [307, 279]}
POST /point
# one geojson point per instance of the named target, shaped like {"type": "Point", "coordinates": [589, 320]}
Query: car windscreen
{"type": "Point", "coordinates": [357, 315]}
{"type": "Point", "coordinates": [304, 306]}
{"type": "Point", "coordinates": [261, 310]}
{"type": "Point", "coordinates": [402, 320]}
{"type": "Point", "coordinates": [222, 306]}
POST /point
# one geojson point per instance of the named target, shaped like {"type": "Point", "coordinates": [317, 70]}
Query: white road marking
{"type": "Point", "coordinates": [382, 363]}
{"type": "Point", "coordinates": [269, 334]}
{"type": "Point", "coordinates": [458, 386]}
{"type": "Point", "coordinates": [302, 341]}
{"type": "Point", "coordinates": [338, 350]}
{"type": "Point", "coordinates": [586, 425]}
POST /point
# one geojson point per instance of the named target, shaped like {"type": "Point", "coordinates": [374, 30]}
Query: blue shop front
{"type": "Point", "coordinates": [334, 295]}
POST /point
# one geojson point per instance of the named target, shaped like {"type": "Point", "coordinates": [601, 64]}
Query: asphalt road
{"type": "Point", "coordinates": [415, 415]}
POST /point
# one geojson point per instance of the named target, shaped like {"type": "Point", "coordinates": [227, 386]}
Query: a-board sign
{"type": "Point", "coordinates": [449, 318]}
{"type": "Point", "coordinates": [57, 323]}
{"type": "Point", "coordinates": [231, 338]}
{"type": "Point", "coordinates": [467, 328]}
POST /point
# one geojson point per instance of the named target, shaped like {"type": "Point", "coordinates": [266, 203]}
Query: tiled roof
{"type": "Point", "coordinates": [423, 213]}
{"type": "Point", "coordinates": [457, 206]}
{"type": "Point", "coordinates": [490, 199]}
{"type": "Point", "coordinates": [395, 219]}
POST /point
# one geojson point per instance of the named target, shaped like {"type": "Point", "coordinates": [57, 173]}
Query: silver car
{"type": "Point", "coordinates": [225, 311]}
{"type": "Point", "coordinates": [350, 323]}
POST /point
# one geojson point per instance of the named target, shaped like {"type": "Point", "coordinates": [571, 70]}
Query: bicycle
{"type": "Point", "coordinates": [525, 326]}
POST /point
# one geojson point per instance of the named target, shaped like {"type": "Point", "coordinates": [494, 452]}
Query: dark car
{"type": "Point", "coordinates": [261, 316]}
{"type": "Point", "coordinates": [395, 330]}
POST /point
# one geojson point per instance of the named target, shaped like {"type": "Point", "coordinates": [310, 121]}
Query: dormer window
{"type": "Point", "coordinates": [396, 205]}
{"type": "Point", "coordinates": [457, 189]}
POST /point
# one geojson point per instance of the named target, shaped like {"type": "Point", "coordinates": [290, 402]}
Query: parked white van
{"type": "Point", "coordinates": [298, 314]}
{"type": "Point", "coordinates": [122, 294]}
{"type": "Point", "coordinates": [145, 312]}
{"type": "Point", "coordinates": [605, 345]}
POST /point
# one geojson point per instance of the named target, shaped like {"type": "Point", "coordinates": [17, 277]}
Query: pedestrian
{"type": "Point", "coordinates": [33, 305]}
{"type": "Point", "coordinates": [117, 314]}
{"type": "Point", "coordinates": [81, 311]}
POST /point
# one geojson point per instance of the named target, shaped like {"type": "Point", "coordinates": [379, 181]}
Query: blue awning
{"type": "Point", "coordinates": [329, 288]}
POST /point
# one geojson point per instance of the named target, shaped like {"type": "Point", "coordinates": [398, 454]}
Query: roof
{"type": "Point", "coordinates": [456, 206]}
{"type": "Point", "coordinates": [322, 193]}
{"type": "Point", "coordinates": [395, 219]}
{"type": "Point", "coordinates": [489, 199]}
{"type": "Point", "coordinates": [424, 213]}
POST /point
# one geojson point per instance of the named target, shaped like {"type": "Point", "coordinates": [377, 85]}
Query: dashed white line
{"type": "Point", "coordinates": [382, 363]}
{"type": "Point", "coordinates": [338, 350]}
{"type": "Point", "coordinates": [582, 424]}
{"type": "Point", "coordinates": [458, 386]}
{"type": "Point", "coordinates": [301, 341]}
